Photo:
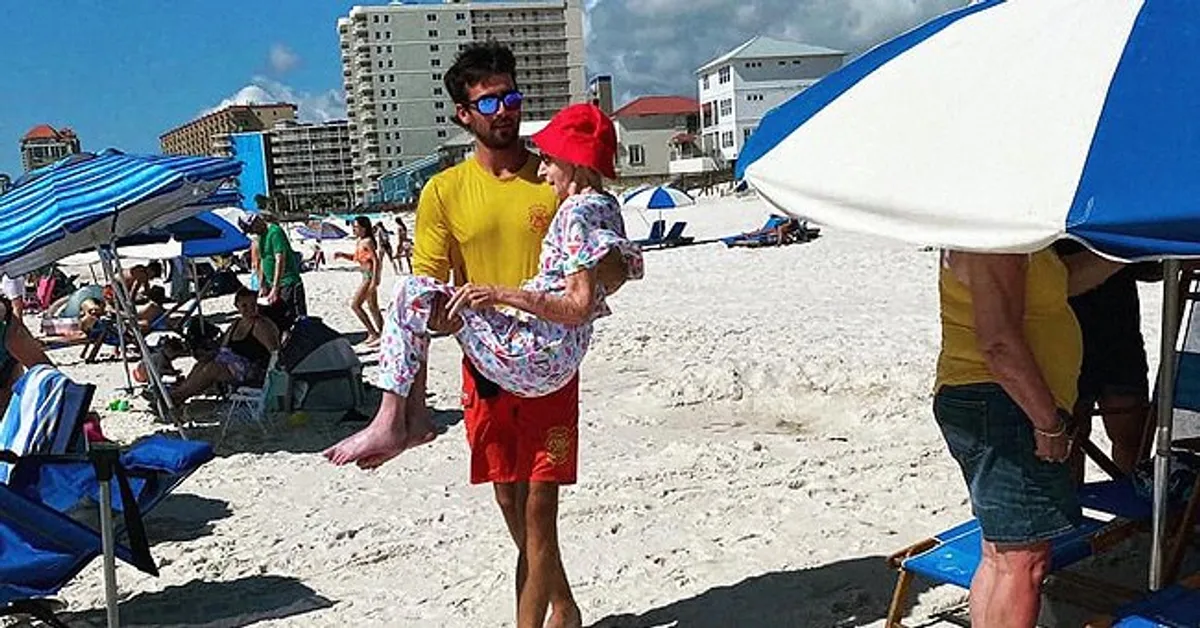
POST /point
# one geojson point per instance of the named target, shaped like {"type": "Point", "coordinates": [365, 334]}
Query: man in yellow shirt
{"type": "Point", "coordinates": [483, 221]}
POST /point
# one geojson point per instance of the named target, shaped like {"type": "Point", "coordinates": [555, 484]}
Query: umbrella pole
{"type": "Point", "coordinates": [112, 267]}
{"type": "Point", "coordinates": [1165, 420]}
{"type": "Point", "coordinates": [197, 287]}
{"type": "Point", "coordinates": [113, 279]}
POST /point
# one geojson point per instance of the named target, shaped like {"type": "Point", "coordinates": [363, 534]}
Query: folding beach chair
{"type": "Point", "coordinates": [1177, 606]}
{"type": "Point", "coordinates": [57, 509]}
{"type": "Point", "coordinates": [657, 228]}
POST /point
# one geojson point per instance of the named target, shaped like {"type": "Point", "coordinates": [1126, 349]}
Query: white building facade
{"type": "Point", "coordinates": [394, 57]}
{"type": "Point", "coordinates": [737, 88]}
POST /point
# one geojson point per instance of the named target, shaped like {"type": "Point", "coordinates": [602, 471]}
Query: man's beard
{"type": "Point", "coordinates": [499, 139]}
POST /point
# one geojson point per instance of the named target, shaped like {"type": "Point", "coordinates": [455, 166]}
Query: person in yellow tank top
{"type": "Point", "coordinates": [1006, 380]}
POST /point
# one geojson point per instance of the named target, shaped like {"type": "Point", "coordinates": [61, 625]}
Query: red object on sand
{"type": "Point", "coordinates": [91, 429]}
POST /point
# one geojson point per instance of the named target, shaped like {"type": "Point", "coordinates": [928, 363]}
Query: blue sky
{"type": "Point", "coordinates": [121, 72]}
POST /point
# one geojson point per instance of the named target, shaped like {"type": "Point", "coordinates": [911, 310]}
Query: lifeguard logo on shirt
{"type": "Point", "coordinates": [539, 218]}
{"type": "Point", "coordinates": [558, 445]}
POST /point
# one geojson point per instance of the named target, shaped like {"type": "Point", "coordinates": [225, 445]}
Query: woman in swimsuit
{"type": "Point", "coordinates": [367, 256]}
{"type": "Point", "coordinates": [18, 351]}
{"type": "Point", "coordinates": [242, 357]}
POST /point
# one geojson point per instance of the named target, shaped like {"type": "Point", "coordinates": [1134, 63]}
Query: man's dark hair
{"type": "Point", "coordinates": [476, 63]}
{"type": "Point", "coordinates": [154, 268]}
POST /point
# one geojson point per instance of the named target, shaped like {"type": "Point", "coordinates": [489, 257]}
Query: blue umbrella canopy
{"type": "Point", "coordinates": [93, 199]}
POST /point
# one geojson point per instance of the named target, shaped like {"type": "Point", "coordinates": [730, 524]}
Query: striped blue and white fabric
{"type": "Point", "coordinates": [87, 200]}
{"type": "Point", "coordinates": [657, 197]}
{"type": "Point", "coordinates": [1001, 127]}
{"type": "Point", "coordinates": [42, 415]}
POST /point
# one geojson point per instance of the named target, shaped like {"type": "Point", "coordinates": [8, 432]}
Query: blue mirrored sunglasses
{"type": "Point", "coordinates": [489, 105]}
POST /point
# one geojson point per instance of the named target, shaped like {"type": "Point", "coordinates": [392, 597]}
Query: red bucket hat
{"type": "Point", "coordinates": [582, 135]}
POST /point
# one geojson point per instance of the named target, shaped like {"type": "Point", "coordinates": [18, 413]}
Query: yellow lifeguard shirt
{"type": "Point", "coordinates": [1051, 330]}
{"type": "Point", "coordinates": [485, 229]}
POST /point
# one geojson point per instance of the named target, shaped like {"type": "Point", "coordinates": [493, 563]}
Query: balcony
{"type": "Point", "coordinates": [363, 60]}
{"type": "Point", "coordinates": [693, 165]}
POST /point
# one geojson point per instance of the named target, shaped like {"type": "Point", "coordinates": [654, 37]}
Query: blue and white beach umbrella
{"type": "Point", "coordinates": [658, 197]}
{"type": "Point", "coordinates": [88, 200]}
{"type": "Point", "coordinates": [1003, 126]}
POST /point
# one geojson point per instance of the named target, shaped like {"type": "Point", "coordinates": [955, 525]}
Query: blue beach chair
{"type": "Point", "coordinates": [58, 510]}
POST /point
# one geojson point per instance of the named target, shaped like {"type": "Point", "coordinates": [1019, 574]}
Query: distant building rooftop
{"type": "Point", "coordinates": [657, 106]}
{"type": "Point", "coordinates": [763, 47]}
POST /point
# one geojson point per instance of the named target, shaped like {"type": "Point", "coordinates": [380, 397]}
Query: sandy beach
{"type": "Point", "coordinates": [756, 437]}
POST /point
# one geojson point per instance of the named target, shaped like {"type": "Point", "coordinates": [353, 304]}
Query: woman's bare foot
{"type": "Point", "coordinates": [420, 431]}
{"type": "Point", "coordinates": [386, 436]}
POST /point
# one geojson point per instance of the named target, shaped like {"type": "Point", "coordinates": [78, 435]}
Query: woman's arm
{"type": "Point", "coordinates": [267, 333]}
{"type": "Point", "coordinates": [574, 307]}
{"type": "Point", "coordinates": [997, 285]}
{"type": "Point", "coordinates": [22, 346]}
{"type": "Point", "coordinates": [1086, 270]}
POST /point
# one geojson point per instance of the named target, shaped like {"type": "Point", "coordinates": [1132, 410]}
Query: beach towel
{"type": "Point", "coordinates": [35, 421]}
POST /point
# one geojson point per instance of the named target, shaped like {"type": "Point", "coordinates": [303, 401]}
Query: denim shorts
{"type": "Point", "coordinates": [1017, 498]}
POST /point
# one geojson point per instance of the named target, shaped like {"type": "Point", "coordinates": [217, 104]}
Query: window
{"type": "Point", "coordinates": [727, 139]}
{"type": "Point", "coordinates": [389, 63]}
{"type": "Point", "coordinates": [393, 93]}
{"type": "Point", "coordinates": [385, 19]}
{"type": "Point", "coordinates": [433, 48]}
{"type": "Point", "coordinates": [723, 75]}
{"type": "Point", "coordinates": [435, 63]}
{"type": "Point", "coordinates": [387, 35]}
{"type": "Point", "coordinates": [430, 17]}
{"type": "Point", "coordinates": [746, 133]}
{"type": "Point", "coordinates": [378, 50]}
{"type": "Point", "coordinates": [389, 49]}
{"type": "Point", "coordinates": [441, 133]}
{"type": "Point", "coordinates": [440, 119]}
{"type": "Point", "coordinates": [439, 105]}
{"type": "Point", "coordinates": [754, 97]}
{"type": "Point", "coordinates": [380, 62]}
{"type": "Point", "coordinates": [378, 34]}
{"type": "Point", "coordinates": [727, 107]}
{"type": "Point", "coordinates": [437, 76]}
{"type": "Point", "coordinates": [437, 91]}
{"type": "Point", "coordinates": [375, 19]}
{"type": "Point", "coordinates": [460, 16]}
{"type": "Point", "coordinates": [462, 32]}
{"type": "Point", "coordinates": [795, 62]}
{"type": "Point", "coordinates": [704, 81]}
{"type": "Point", "coordinates": [637, 155]}
{"type": "Point", "coordinates": [433, 32]}
{"type": "Point", "coordinates": [387, 136]}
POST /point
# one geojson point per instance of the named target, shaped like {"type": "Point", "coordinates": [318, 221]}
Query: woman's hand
{"type": "Point", "coordinates": [473, 296]}
{"type": "Point", "coordinates": [1054, 445]}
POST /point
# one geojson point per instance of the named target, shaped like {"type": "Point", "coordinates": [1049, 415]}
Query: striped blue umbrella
{"type": "Point", "coordinates": [658, 197]}
{"type": "Point", "coordinates": [1002, 127]}
{"type": "Point", "coordinates": [89, 200]}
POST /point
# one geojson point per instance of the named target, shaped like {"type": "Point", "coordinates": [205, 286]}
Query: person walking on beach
{"type": "Point", "coordinates": [483, 222]}
{"type": "Point", "coordinates": [278, 272]}
{"type": "Point", "coordinates": [404, 246]}
{"type": "Point", "coordinates": [383, 241]}
{"type": "Point", "coordinates": [365, 303]}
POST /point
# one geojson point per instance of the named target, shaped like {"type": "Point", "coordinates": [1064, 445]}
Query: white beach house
{"type": "Point", "coordinates": [738, 87]}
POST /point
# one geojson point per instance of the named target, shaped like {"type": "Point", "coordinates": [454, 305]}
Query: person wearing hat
{"type": "Point", "coordinates": [523, 326]}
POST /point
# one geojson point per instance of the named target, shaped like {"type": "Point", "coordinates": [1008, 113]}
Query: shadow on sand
{"type": "Point", "coordinates": [241, 602]}
{"type": "Point", "coordinates": [849, 592]}
{"type": "Point", "coordinates": [184, 517]}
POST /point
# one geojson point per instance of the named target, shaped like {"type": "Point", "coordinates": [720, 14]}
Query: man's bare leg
{"type": "Point", "coordinates": [546, 582]}
{"type": "Point", "coordinates": [1125, 422]}
{"type": "Point", "coordinates": [512, 497]}
{"type": "Point", "coordinates": [385, 437]}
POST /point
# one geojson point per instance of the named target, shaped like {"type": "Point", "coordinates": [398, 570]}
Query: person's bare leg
{"type": "Point", "coordinates": [418, 426]}
{"type": "Point", "coordinates": [512, 499]}
{"type": "Point", "coordinates": [1125, 419]}
{"type": "Point", "coordinates": [356, 306]}
{"type": "Point", "coordinates": [546, 582]}
{"type": "Point", "coordinates": [1015, 596]}
{"type": "Point", "coordinates": [372, 305]}
{"type": "Point", "coordinates": [202, 376]}
{"type": "Point", "coordinates": [385, 438]}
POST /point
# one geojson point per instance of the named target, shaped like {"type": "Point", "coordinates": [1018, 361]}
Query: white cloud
{"type": "Point", "coordinates": [318, 107]}
{"type": "Point", "coordinates": [282, 58]}
{"type": "Point", "coordinates": [655, 46]}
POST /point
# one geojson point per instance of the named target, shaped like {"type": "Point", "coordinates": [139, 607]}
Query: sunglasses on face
{"type": "Point", "coordinates": [489, 105]}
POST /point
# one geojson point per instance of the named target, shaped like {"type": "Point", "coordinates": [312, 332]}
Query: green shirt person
{"type": "Point", "coordinates": [278, 272]}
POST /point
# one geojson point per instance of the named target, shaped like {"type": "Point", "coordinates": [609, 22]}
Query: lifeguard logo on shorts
{"type": "Point", "coordinates": [558, 445]}
{"type": "Point", "coordinates": [539, 218]}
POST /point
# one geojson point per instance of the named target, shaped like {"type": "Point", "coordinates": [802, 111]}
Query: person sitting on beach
{"type": "Point", "coordinates": [18, 351]}
{"type": "Point", "coordinates": [536, 350]}
{"type": "Point", "coordinates": [162, 357]}
{"type": "Point", "coordinates": [156, 297]}
{"type": "Point", "coordinates": [137, 279]}
{"type": "Point", "coordinates": [241, 356]}
{"type": "Point", "coordinates": [366, 253]}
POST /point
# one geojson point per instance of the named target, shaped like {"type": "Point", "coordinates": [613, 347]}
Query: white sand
{"type": "Point", "coordinates": [756, 437]}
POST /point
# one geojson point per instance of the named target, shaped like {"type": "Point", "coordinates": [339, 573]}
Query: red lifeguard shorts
{"type": "Point", "coordinates": [517, 439]}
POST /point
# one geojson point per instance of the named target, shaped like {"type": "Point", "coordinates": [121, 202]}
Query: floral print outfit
{"type": "Point", "coordinates": [524, 355]}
